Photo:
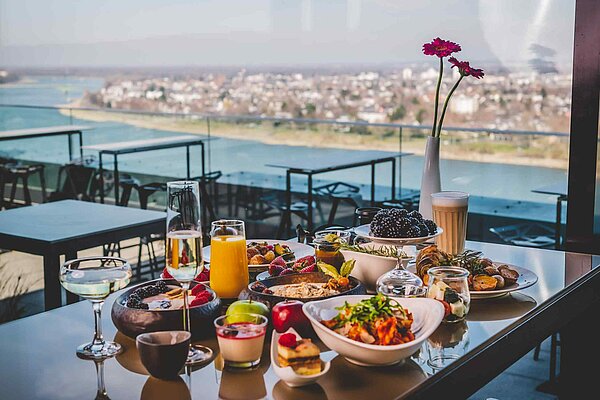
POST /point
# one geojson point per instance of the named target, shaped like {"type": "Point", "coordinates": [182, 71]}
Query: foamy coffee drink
{"type": "Point", "coordinates": [450, 213]}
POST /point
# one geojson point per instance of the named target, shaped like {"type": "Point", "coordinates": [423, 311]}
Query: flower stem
{"type": "Point", "coordinates": [439, 127]}
{"type": "Point", "coordinates": [437, 97]}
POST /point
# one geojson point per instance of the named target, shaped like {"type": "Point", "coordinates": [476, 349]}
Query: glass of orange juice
{"type": "Point", "coordinates": [228, 260]}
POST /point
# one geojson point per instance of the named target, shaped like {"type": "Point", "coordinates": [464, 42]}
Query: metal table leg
{"type": "Point", "coordinates": [101, 168]}
{"type": "Point", "coordinates": [116, 179]}
{"type": "Point", "coordinates": [393, 179]}
{"type": "Point", "coordinates": [310, 201]}
{"type": "Point", "coordinates": [52, 288]}
{"type": "Point", "coordinates": [71, 297]}
{"type": "Point", "coordinates": [372, 183]}
{"type": "Point", "coordinates": [70, 146]}
{"type": "Point", "coordinates": [288, 195]}
{"type": "Point", "coordinates": [80, 143]}
{"type": "Point", "coordinates": [187, 162]}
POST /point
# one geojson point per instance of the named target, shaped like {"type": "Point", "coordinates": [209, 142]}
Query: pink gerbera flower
{"type": "Point", "coordinates": [441, 48]}
{"type": "Point", "coordinates": [465, 69]}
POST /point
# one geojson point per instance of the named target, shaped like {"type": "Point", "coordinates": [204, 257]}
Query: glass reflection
{"type": "Point", "coordinates": [159, 389]}
{"type": "Point", "coordinates": [248, 384]}
{"type": "Point", "coordinates": [448, 343]}
{"type": "Point", "coordinates": [101, 391]}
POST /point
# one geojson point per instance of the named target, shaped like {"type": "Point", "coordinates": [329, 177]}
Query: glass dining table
{"type": "Point", "coordinates": [38, 361]}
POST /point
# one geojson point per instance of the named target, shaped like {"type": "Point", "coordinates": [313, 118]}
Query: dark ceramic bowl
{"type": "Point", "coordinates": [163, 353]}
{"type": "Point", "coordinates": [356, 287]}
{"type": "Point", "coordinates": [133, 321]}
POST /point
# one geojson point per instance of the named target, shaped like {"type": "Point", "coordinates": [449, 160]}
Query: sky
{"type": "Point", "coordinates": [50, 33]}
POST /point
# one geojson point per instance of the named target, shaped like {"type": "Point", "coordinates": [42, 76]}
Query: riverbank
{"type": "Point", "coordinates": [548, 152]}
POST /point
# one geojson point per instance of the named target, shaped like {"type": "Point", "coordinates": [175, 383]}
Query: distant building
{"type": "Point", "coordinates": [464, 105]}
{"type": "Point", "coordinates": [372, 117]}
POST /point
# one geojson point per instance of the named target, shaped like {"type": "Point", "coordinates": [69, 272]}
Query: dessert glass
{"type": "Point", "coordinates": [241, 339]}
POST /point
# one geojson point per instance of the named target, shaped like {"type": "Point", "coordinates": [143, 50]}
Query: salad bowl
{"type": "Point", "coordinates": [427, 315]}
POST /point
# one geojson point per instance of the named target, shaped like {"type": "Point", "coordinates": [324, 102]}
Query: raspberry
{"type": "Point", "coordinates": [198, 289]}
{"type": "Point", "coordinates": [288, 340]}
{"type": "Point", "coordinates": [203, 276]}
{"type": "Point", "coordinates": [166, 274]}
{"type": "Point", "coordinates": [202, 298]}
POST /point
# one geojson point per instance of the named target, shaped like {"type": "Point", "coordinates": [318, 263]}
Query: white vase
{"type": "Point", "coordinates": [430, 181]}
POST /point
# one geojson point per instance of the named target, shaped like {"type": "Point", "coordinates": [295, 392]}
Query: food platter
{"type": "Point", "coordinates": [526, 279]}
{"type": "Point", "coordinates": [300, 250]}
{"type": "Point", "coordinates": [365, 232]}
{"type": "Point", "coordinates": [356, 287]}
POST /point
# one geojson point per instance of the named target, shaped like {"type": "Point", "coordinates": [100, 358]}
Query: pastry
{"type": "Point", "coordinates": [302, 355]}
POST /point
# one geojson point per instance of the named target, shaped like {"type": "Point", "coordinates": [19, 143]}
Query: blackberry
{"type": "Point", "coordinates": [151, 290]}
{"type": "Point", "coordinates": [142, 292]}
{"type": "Point", "coordinates": [413, 232]}
{"type": "Point", "coordinates": [404, 223]}
{"type": "Point", "coordinates": [395, 213]}
{"type": "Point", "coordinates": [402, 212]}
{"type": "Point", "coordinates": [431, 226]}
{"type": "Point", "coordinates": [423, 229]}
{"type": "Point", "coordinates": [416, 215]}
{"type": "Point", "coordinates": [162, 286]}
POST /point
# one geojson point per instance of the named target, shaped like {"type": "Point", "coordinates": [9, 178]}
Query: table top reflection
{"type": "Point", "coordinates": [38, 353]}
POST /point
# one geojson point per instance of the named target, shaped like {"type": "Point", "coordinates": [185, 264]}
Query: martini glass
{"type": "Point", "coordinates": [94, 278]}
{"type": "Point", "coordinates": [184, 249]}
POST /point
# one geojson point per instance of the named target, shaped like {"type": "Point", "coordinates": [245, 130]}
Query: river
{"type": "Point", "coordinates": [504, 181]}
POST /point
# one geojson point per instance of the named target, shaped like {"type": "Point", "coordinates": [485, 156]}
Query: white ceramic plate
{"type": "Point", "coordinates": [427, 315]}
{"type": "Point", "coordinates": [300, 250]}
{"type": "Point", "coordinates": [526, 278]}
{"type": "Point", "coordinates": [287, 374]}
{"type": "Point", "coordinates": [365, 232]}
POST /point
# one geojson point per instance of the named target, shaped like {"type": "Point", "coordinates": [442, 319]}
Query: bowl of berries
{"type": "Point", "coordinates": [398, 227]}
{"type": "Point", "coordinates": [157, 306]}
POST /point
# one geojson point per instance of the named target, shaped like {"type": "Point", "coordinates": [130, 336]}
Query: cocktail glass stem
{"type": "Point", "coordinates": [98, 341]}
{"type": "Point", "coordinates": [186, 314]}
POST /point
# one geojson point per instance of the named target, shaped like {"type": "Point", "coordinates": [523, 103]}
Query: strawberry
{"type": "Point", "coordinates": [287, 271]}
{"type": "Point", "coordinates": [166, 274]}
{"type": "Point", "coordinates": [288, 340]}
{"type": "Point", "coordinates": [279, 261]}
{"type": "Point", "coordinates": [310, 268]}
{"type": "Point", "coordinates": [304, 262]}
{"type": "Point", "coordinates": [198, 289]}
{"type": "Point", "coordinates": [275, 270]}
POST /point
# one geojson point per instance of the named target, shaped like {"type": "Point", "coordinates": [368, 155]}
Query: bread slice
{"type": "Point", "coordinates": [304, 358]}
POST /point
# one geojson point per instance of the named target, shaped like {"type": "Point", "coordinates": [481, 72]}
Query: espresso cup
{"type": "Point", "coordinates": [164, 353]}
{"type": "Point", "coordinates": [450, 213]}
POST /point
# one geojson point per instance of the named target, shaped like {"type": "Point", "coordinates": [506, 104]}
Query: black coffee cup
{"type": "Point", "coordinates": [164, 353]}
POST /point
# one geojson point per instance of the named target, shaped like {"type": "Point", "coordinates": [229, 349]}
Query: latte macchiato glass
{"type": "Point", "coordinates": [450, 213]}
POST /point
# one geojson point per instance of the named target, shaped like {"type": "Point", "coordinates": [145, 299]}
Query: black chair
{"type": "Point", "coordinates": [409, 202]}
{"type": "Point", "coordinates": [274, 204]}
{"type": "Point", "coordinates": [339, 192]}
{"type": "Point", "coordinates": [12, 172]}
{"type": "Point", "coordinates": [74, 182]}
{"type": "Point", "coordinates": [532, 234]}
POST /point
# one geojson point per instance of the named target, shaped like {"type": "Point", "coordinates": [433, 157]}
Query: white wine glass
{"type": "Point", "coordinates": [94, 278]}
{"type": "Point", "coordinates": [184, 258]}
